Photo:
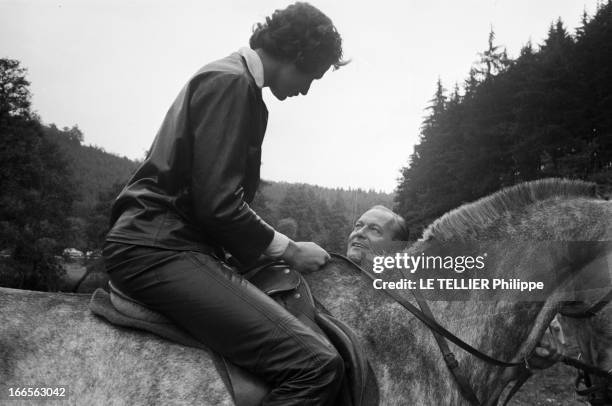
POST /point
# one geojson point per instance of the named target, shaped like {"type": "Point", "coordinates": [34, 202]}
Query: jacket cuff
{"type": "Point", "coordinates": [277, 246]}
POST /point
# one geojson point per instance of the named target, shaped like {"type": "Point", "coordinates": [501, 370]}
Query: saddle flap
{"type": "Point", "coordinates": [274, 279]}
{"type": "Point", "coordinates": [101, 305]}
{"type": "Point", "coordinates": [133, 308]}
{"type": "Point", "coordinates": [362, 382]}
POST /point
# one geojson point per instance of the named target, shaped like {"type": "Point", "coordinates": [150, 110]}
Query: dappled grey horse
{"type": "Point", "coordinates": [51, 339]}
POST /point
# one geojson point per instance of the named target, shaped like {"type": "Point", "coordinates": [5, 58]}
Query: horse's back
{"type": "Point", "coordinates": [52, 339]}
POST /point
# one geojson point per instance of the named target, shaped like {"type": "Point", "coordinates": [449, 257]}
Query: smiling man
{"type": "Point", "coordinates": [188, 204]}
{"type": "Point", "coordinates": [374, 233]}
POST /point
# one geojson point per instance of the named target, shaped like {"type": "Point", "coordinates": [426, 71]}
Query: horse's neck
{"type": "Point", "coordinates": [405, 357]}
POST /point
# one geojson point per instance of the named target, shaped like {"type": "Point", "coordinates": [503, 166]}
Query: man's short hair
{"type": "Point", "coordinates": [400, 229]}
{"type": "Point", "coordinates": [300, 33]}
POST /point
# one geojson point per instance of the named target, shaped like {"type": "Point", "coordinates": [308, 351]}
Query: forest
{"type": "Point", "coordinates": [545, 113]}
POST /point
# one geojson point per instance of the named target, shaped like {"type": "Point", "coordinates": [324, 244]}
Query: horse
{"type": "Point", "coordinates": [52, 340]}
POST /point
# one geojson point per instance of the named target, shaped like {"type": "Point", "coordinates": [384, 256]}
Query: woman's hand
{"type": "Point", "coordinates": [305, 256]}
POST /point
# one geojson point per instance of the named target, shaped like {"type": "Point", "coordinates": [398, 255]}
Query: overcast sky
{"type": "Point", "coordinates": [113, 67]}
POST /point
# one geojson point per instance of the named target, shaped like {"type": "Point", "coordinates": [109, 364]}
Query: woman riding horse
{"type": "Point", "coordinates": [187, 205]}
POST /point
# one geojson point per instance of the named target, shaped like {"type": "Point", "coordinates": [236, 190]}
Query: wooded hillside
{"type": "Point", "coordinates": [94, 170]}
{"type": "Point", "coordinates": [546, 113]}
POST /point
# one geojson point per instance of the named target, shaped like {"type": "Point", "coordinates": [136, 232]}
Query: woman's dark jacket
{"type": "Point", "coordinates": [192, 190]}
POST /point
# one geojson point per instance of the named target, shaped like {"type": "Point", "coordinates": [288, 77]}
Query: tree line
{"type": "Point", "coordinates": [546, 113]}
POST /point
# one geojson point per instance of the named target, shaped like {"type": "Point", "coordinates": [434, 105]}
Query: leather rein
{"type": "Point", "coordinates": [441, 335]}
{"type": "Point", "coordinates": [591, 311]}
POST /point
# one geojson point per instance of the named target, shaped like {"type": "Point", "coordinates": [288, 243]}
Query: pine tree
{"type": "Point", "coordinates": [493, 60]}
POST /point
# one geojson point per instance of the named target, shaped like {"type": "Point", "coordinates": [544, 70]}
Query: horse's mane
{"type": "Point", "coordinates": [483, 212]}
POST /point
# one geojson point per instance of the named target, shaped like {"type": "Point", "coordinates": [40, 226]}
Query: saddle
{"type": "Point", "coordinates": [288, 288]}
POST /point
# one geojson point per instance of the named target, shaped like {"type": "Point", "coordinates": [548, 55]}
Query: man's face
{"type": "Point", "coordinates": [373, 231]}
{"type": "Point", "coordinates": [290, 81]}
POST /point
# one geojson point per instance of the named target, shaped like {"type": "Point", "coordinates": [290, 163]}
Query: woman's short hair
{"type": "Point", "coordinates": [300, 33]}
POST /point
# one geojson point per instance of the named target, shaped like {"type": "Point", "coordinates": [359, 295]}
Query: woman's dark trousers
{"type": "Point", "coordinates": [214, 303]}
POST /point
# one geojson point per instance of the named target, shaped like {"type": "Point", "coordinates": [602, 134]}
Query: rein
{"type": "Point", "coordinates": [589, 312]}
{"type": "Point", "coordinates": [597, 394]}
{"type": "Point", "coordinates": [441, 335]}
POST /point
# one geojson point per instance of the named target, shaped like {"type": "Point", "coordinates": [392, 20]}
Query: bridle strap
{"type": "Point", "coordinates": [591, 311]}
{"type": "Point", "coordinates": [449, 357]}
{"type": "Point", "coordinates": [586, 367]}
